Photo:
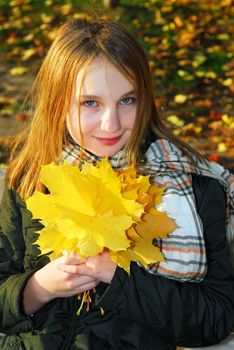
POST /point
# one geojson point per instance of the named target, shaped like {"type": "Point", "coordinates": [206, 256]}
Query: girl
{"type": "Point", "coordinates": [93, 98]}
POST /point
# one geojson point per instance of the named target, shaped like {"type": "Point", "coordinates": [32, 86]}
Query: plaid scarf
{"type": "Point", "coordinates": [184, 249]}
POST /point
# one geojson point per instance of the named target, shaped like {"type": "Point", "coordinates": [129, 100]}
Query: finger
{"type": "Point", "coordinates": [70, 268]}
{"type": "Point", "coordinates": [84, 269]}
{"type": "Point", "coordinates": [71, 260]}
{"type": "Point", "coordinates": [87, 286]}
{"type": "Point", "coordinates": [75, 255]}
{"type": "Point", "coordinates": [78, 283]}
{"type": "Point", "coordinates": [82, 280]}
{"type": "Point", "coordinates": [65, 260]}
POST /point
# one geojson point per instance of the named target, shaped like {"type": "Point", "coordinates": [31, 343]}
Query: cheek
{"type": "Point", "coordinates": [129, 118]}
{"type": "Point", "coordinates": [88, 122]}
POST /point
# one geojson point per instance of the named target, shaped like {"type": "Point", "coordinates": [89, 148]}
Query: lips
{"type": "Point", "coordinates": [109, 141]}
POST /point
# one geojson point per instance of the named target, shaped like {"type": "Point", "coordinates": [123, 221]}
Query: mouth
{"type": "Point", "coordinates": [108, 141]}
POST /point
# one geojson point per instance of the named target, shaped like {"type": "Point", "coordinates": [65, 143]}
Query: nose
{"type": "Point", "coordinates": [110, 120]}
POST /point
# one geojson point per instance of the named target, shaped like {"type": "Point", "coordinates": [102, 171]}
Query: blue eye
{"type": "Point", "coordinates": [90, 103]}
{"type": "Point", "coordinates": [127, 101]}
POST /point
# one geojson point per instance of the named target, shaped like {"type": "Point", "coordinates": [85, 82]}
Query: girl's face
{"type": "Point", "coordinates": [107, 109]}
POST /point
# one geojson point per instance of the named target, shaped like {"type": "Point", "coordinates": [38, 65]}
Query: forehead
{"type": "Point", "coordinates": [99, 77]}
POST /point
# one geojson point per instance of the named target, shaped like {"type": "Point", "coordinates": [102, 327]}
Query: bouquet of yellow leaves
{"type": "Point", "coordinates": [96, 208]}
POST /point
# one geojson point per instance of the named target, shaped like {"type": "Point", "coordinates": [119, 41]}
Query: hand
{"type": "Point", "coordinates": [61, 283]}
{"type": "Point", "coordinates": [100, 267]}
{"type": "Point", "coordinates": [54, 281]}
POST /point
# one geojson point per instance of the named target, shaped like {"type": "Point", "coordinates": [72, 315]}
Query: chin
{"type": "Point", "coordinates": [106, 153]}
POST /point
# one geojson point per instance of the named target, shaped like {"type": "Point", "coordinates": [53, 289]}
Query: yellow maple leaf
{"type": "Point", "coordinates": [123, 258]}
{"type": "Point", "coordinates": [131, 182]}
{"type": "Point", "coordinates": [132, 234]}
{"type": "Point", "coordinates": [146, 253]}
{"type": "Point", "coordinates": [51, 238]}
{"type": "Point", "coordinates": [157, 193]}
{"type": "Point", "coordinates": [117, 213]}
{"type": "Point", "coordinates": [155, 224]}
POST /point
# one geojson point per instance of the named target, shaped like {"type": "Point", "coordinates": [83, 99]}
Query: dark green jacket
{"type": "Point", "coordinates": [142, 312]}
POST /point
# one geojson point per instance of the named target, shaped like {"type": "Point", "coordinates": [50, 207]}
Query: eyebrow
{"type": "Point", "coordinates": [132, 92]}
{"type": "Point", "coordinates": [93, 97]}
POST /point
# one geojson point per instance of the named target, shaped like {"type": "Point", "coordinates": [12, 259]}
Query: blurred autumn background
{"type": "Point", "coordinates": [189, 43]}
